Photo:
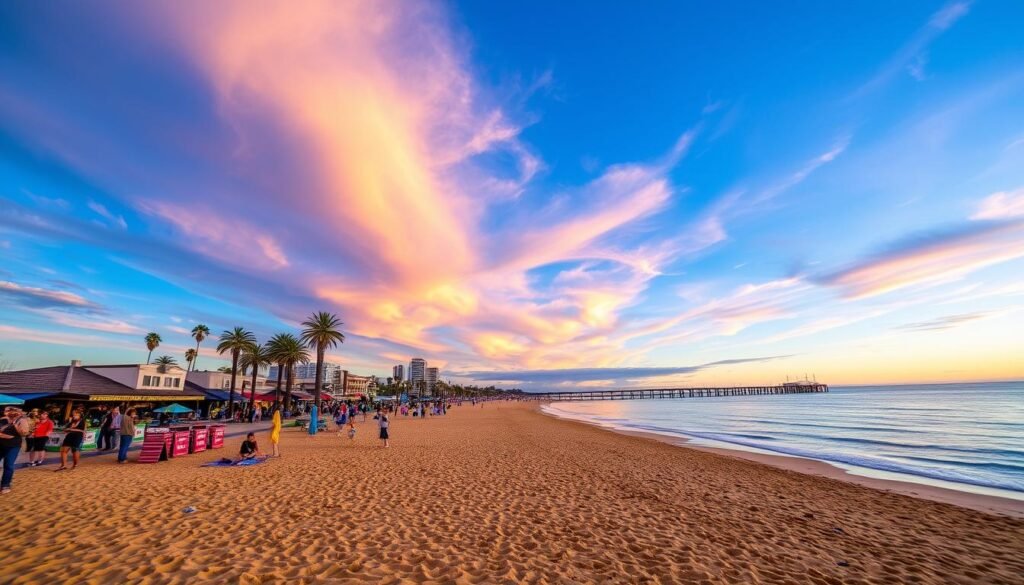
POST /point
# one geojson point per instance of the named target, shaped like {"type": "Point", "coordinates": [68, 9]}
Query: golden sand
{"type": "Point", "coordinates": [491, 495]}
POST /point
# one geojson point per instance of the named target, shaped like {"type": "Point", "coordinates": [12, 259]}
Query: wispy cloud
{"type": "Point", "coordinates": [232, 240]}
{"type": "Point", "coordinates": [95, 323]}
{"type": "Point", "coordinates": [113, 219]}
{"type": "Point", "coordinates": [1001, 205]}
{"type": "Point", "coordinates": [947, 322]}
{"type": "Point", "coordinates": [911, 57]}
{"type": "Point", "coordinates": [933, 257]}
{"type": "Point", "coordinates": [43, 298]}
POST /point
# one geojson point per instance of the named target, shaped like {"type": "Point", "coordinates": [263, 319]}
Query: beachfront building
{"type": "Point", "coordinates": [352, 384]}
{"type": "Point", "coordinates": [398, 373]}
{"type": "Point", "coordinates": [59, 389]}
{"type": "Point", "coordinates": [216, 380]}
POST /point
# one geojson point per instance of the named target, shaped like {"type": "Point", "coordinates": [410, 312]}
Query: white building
{"type": "Point", "coordinates": [143, 376]}
{"type": "Point", "coordinates": [214, 380]}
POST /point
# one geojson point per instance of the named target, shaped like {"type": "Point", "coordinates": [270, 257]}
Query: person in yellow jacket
{"type": "Point", "coordinates": [275, 432]}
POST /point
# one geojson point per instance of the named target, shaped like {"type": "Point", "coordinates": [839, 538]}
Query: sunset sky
{"type": "Point", "coordinates": [533, 194]}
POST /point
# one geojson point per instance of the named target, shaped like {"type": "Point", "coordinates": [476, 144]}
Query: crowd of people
{"type": "Point", "coordinates": [116, 430]}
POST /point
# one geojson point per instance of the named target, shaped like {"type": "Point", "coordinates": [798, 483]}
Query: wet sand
{"type": "Point", "coordinates": [491, 495]}
{"type": "Point", "coordinates": [976, 501]}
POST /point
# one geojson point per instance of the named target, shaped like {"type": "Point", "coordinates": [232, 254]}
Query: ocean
{"type": "Point", "coordinates": [968, 437]}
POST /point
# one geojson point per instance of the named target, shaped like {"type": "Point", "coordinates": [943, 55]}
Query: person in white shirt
{"type": "Point", "coordinates": [383, 423]}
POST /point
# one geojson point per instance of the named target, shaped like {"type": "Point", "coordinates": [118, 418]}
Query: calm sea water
{"type": "Point", "coordinates": [969, 434]}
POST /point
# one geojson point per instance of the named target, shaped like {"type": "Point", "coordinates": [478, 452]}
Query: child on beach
{"type": "Point", "coordinates": [383, 423]}
{"type": "Point", "coordinates": [351, 431]}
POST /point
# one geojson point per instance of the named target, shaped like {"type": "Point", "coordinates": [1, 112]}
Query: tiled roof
{"type": "Point", "coordinates": [83, 383]}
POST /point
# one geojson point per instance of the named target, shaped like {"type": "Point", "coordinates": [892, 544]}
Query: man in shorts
{"type": "Point", "coordinates": [14, 427]}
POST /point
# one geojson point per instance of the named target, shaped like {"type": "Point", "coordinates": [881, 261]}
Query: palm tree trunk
{"type": "Point", "coordinates": [319, 376]}
{"type": "Point", "coordinates": [196, 358]}
{"type": "Point", "coordinates": [288, 392]}
{"type": "Point", "coordinates": [277, 389]}
{"type": "Point", "coordinates": [252, 397]}
{"type": "Point", "coordinates": [149, 357]}
{"type": "Point", "coordinates": [231, 395]}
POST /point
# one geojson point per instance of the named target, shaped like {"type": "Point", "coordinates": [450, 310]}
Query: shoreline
{"type": "Point", "coordinates": [989, 504]}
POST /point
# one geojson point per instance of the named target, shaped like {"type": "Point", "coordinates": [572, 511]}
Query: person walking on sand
{"type": "Point", "coordinates": [113, 434]}
{"type": "Point", "coordinates": [14, 427]}
{"type": "Point", "coordinates": [73, 438]}
{"type": "Point", "coordinates": [102, 440]}
{"type": "Point", "coordinates": [275, 432]}
{"type": "Point", "coordinates": [37, 442]}
{"type": "Point", "coordinates": [127, 434]}
{"type": "Point", "coordinates": [383, 423]}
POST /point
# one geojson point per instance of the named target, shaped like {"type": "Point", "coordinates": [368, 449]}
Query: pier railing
{"type": "Point", "coordinates": [651, 393]}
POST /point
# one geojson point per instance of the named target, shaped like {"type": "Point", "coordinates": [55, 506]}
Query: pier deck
{"type": "Point", "coordinates": [652, 393]}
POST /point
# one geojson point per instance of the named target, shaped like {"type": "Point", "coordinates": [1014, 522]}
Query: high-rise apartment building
{"type": "Point", "coordinates": [418, 376]}
{"type": "Point", "coordinates": [307, 372]}
{"type": "Point", "coordinates": [398, 373]}
{"type": "Point", "coordinates": [431, 379]}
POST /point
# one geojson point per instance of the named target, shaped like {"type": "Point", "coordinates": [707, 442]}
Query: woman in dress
{"type": "Point", "coordinates": [275, 432]}
{"type": "Point", "coordinates": [73, 438]}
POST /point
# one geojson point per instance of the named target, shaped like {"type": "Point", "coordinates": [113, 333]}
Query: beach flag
{"type": "Point", "coordinates": [314, 420]}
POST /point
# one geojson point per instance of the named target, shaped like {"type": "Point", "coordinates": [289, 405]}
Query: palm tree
{"type": "Point", "coordinates": [199, 333]}
{"type": "Point", "coordinates": [224, 369]}
{"type": "Point", "coordinates": [255, 356]}
{"type": "Point", "coordinates": [190, 356]}
{"type": "Point", "coordinates": [321, 330]}
{"type": "Point", "coordinates": [234, 341]}
{"type": "Point", "coordinates": [164, 361]}
{"type": "Point", "coordinates": [287, 350]}
{"type": "Point", "coordinates": [152, 342]}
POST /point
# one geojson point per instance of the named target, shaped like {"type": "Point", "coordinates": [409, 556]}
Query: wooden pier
{"type": "Point", "coordinates": [651, 393]}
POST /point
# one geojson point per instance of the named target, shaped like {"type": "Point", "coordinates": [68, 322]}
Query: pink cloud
{"type": "Point", "coordinates": [1001, 205]}
{"type": "Point", "coordinates": [97, 324]}
{"type": "Point", "coordinates": [229, 239]}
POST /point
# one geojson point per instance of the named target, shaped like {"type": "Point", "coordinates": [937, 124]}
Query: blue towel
{"type": "Point", "coordinates": [242, 463]}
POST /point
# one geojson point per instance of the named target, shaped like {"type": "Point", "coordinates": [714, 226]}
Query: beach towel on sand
{"type": "Point", "coordinates": [243, 463]}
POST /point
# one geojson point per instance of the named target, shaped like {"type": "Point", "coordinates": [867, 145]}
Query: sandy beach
{"type": "Point", "coordinates": [487, 495]}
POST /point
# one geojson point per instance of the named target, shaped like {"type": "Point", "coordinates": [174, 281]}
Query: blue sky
{"type": "Point", "coordinates": [533, 194]}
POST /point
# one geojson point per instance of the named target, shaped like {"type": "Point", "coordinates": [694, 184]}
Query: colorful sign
{"type": "Point", "coordinates": [199, 435]}
{"type": "Point", "coordinates": [141, 398]}
{"type": "Point", "coordinates": [216, 436]}
{"type": "Point", "coordinates": [180, 443]}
